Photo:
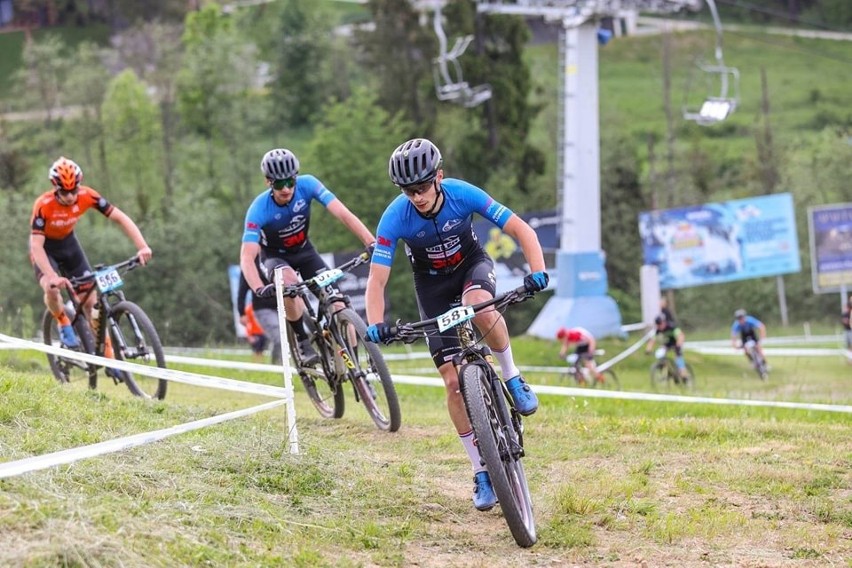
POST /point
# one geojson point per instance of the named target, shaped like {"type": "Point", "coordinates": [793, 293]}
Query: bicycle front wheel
{"type": "Point", "coordinates": [66, 370]}
{"type": "Point", "coordinates": [368, 372]}
{"type": "Point", "coordinates": [135, 339]}
{"type": "Point", "coordinates": [660, 373]}
{"type": "Point", "coordinates": [501, 450]}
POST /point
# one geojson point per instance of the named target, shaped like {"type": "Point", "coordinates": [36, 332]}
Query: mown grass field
{"type": "Point", "coordinates": [615, 483]}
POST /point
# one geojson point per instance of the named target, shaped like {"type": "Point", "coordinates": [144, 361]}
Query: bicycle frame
{"type": "Point", "coordinates": [324, 317]}
{"type": "Point", "coordinates": [497, 425]}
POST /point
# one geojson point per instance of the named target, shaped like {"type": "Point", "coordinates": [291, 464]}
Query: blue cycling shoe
{"type": "Point", "coordinates": [69, 337]}
{"type": "Point", "coordinates": [483, 494]}
{"type": "Point", "coordinates": [526, 402]}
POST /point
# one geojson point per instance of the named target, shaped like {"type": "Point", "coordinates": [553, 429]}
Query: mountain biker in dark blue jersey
{"type": "Point", "coordinates": [745, 328]}
{"type": "Point", "coordinates": [276, 228]}
{"type": "Point", "coordinates": [433, 216]}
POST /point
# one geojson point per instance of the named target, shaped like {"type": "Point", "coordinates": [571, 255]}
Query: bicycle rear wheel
{"type": "Point", "coordinates": [135, 339]}
{"type": "Point", "coordinates": [368, 372]}
{"type": "Point", "coordinates": [609, 382]}
{"type": "Point", "coordinates": [67, 370]}
{"type": "Point", "coordinates": [321, 384]}
{"type": "Point", "coordinates": [501, 450]}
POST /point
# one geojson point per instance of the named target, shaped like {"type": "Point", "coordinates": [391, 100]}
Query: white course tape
{"type": "Point", "coordinates": [627, 352]}
{"type": "Point", "coordinates": [627, 395]}
{"type": "Point", "coordinates": [774, 351]}
{"type": "Point", "coordinates": [157, 372]}
{"type": "Point", "coordinates": [26, 465]}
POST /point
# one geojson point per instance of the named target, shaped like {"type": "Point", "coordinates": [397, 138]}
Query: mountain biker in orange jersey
{"type": "Point", "coordinates": [585, 348]}
{"type": "Point", "coordinates": [55, 252]}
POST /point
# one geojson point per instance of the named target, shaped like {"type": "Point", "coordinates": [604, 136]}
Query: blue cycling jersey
{"type": "Point", "coordinates": [440, 244]}
{"type": "Point", "coordinates": [284, 228]}
{"type": "Point", "coordinates": [748, 328]}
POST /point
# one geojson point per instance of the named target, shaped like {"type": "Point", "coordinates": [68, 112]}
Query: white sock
{"type": "Point", "coordinates": [472, 452]}
{"type": "Point", "coordinates": [507, 362]}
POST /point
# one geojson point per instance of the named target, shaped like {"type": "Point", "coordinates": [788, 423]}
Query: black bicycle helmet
{"type": "Point", "coordinates": [413, 162]}
{"type": "Point", "coordinates": [660, 319]}
{"type": "Point", "coordinates": [279, 163]}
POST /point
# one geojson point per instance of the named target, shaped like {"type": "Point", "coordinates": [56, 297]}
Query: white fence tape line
{"type": "Point", "coordinates": [27, 465]}
{"type": "Point", "coordinates": [773, 351]}
{"type": "Point", "coordinates": [627, 352]}
{"type": "Point", "coordinates": [627, 395]}
{"type": "Point", "coordinates": [157, 372]}
{"type": "Point", "coordinates": [286, 353]}
{"type": "Point", "coordinates": [224, 364]}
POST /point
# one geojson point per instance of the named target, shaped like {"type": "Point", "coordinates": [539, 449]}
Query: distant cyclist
{"type": "Point", "coordinates": [747, 328]}
{"type": "Point", "coordinates": [55, 252]}
{"type": "Point", "coordinates": [671, 337]}
{"type": "Point", "coordinates": [584, 347]}
{"type": "Point", "coordinates": [846, 320]}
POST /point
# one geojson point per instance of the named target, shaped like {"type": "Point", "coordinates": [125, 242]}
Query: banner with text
{"type": "Point", "coordinates": [721, 242]}
{"type": "Point", "coordinates": [830, 230]}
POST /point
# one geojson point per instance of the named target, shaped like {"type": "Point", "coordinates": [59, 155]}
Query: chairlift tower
{"type": "Point", "coordinates": [581, 293]}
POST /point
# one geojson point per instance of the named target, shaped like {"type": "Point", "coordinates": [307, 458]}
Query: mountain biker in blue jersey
{"type": "Point", "coordinates": [433, 216]}
{"type": "Point", "coordinates": [746, 328]}
{"type": "Point", "coordinates": [276, 228]}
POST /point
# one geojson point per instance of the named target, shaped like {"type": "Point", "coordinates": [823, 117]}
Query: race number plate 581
{"type": "Point", "coordinates": [108, 280]}
{"type": "Point", "coordinates": [454, 317]}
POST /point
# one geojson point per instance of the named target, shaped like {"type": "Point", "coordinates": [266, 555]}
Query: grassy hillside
{"type": "Point", "coordinates": [808, 88]}
{"type": "Point", "coordinates": [615, 483]}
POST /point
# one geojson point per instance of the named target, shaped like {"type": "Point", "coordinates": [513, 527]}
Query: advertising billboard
{"type": "Point", "coordinates": [721, 242]}
{"type": "Point", "coordinates": [510, 266]}
{"type": "Point", "coordinates": [830, 228]}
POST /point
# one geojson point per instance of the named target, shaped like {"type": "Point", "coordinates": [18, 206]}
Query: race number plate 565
{"type": "Point", "coordinates": [108, 280]}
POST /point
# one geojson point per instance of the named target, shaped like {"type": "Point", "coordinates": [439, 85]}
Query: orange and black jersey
{"type": "Point", "coordinates": [56, 221]}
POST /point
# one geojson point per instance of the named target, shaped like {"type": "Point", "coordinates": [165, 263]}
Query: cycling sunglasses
{"type": "Point", "coordinates": [418, 189]}
{"type": "Point", "coordinates": [279, 184]}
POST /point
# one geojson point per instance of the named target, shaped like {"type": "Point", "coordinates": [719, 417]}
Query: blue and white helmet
{"type": "Point", "coordinates": [279, 163]}
{"type": "Point", "coordinates": [413, 162]}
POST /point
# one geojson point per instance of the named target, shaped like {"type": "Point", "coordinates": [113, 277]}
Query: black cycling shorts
{"type": "Point", "coordinates": [437, 293]}
{"type": "Point", "coordinates": [307, 262]}
{"type": "Point", "coordinates": [67, 258]}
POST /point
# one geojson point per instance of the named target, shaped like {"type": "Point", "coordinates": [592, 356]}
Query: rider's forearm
{"type": "Point", "coordinates": [351, 222]}
{"type": "Point", "coordinates": [129, 227]}
{"type": "Point", "coordinates": [248, 252]}
{"type": "Point", "coordinates": [41, 261]}
{"type": "Point", "coordinates": [519, 230]}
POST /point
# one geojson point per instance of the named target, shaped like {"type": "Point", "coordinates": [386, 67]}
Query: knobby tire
{"type": "Point", "coordinates": [322, 388]}
{"type": "Point", "coordinates": [136, 340]}
{"type": "Point", "coordinates": [368, 365]}
{"type": "Point", "coordinates": [495, 439]}
{"type": "Point", "coordinates": [66, 370]}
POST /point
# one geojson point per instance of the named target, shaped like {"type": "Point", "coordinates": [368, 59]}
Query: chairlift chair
{"type": "Point", "coordinates": [452, 87]}
{"type": "Point", "coordinates": [717, 108]}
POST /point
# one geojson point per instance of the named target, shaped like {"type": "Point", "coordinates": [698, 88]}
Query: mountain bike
{"type": "Point", "coordinates": [583, 377]}
{"type": "Point", "coordinates": [337, 335]}
{"type": "Point", "coordinates": [757, 360]}
{"type": "Point", "coordinates": [497, 426]}
{"type": "Point", "coordinates": [132, 336]}
{"type": "Point", "coordinates": [664, 371]}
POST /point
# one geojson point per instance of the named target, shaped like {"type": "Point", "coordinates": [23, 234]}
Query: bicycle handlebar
{"type": "Point", "coordinates": [127, 265]}
{"type": "Point", "coordinates": [410, 332]}
{"type": "Point", "coordinates": [293, 290]}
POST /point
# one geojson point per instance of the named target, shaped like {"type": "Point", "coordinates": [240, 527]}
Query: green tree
{"type": "Point", "coordinates": [398, 53]}
{"type": "Point", "coordinates": [43, 73]}
{"type": "Point", "coordinates": [298, 41]}
{"type": "Point", "coordinates": [86, 88]}
{"type": "Point", "coordinates": [220, 103]}
{"type": "Point", "coordinates": [132, 132]}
